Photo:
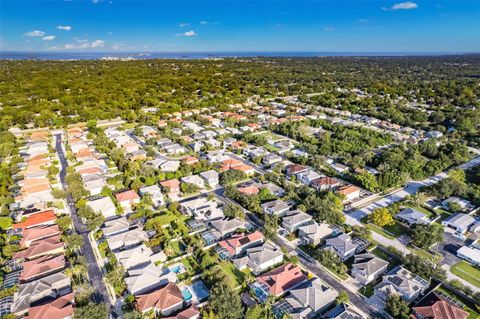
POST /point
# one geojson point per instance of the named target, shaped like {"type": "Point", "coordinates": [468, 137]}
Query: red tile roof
{"type": "Point", "coordinates": [191, 160]}
{"type": "Point", "coordinates": [282, 278]}
{"type": "Point", "coordinates": [295, 168]}
{"type": "Point", "coordinates": [189, 313]}
{"type": "Point", "coordinates": [328, 181]}
{"type": "Point", "coordinates": [59, 308]}
{"type": "Point", "coordinates": [40, 247]}
{"type": "Point", "coordinates": [434, 307]}
{"type": "Point", "coordinates": [248, 190]}
{"type": "Point", "coordinates": [171, 183]}
{"type": "Point", "coordinates": [36, 233]}
{"type": "Point", "coordinates": [160, 299]}
{"type": "Point", "coordinates": [41, 266]}
{"type": "Point", "coordinates": [348, 189]}
{"type": "Point", "coordinates": [126, 196]}
{"type": "Point", "coordinates": [237, 241]}
{"type": "Point", "coordinates": [43, 218]}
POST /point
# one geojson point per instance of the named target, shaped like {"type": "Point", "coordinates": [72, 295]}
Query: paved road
{"type": "Point", "coordinates": [94, 272]}
{"type": "Point", "coordinates": [410, 189]}
{"type": "Point", "coordinates": [310, 264]}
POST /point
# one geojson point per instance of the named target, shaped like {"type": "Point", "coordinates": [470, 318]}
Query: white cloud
{"type": "Point", "coordinates": [190, 33]}
{"type": "Point", "coordinates": [408, 5]}
{"type": "Point", "coordinates": [183, 24]}
{"type": "Point", "coordinates": [329, 29]}
{"type": "Point", "coordinates": [49, 38]}
{"type": "Point", "coordinates": [98, 44]}
{"type": "Point", "coordinates": [64, 27]}
{"type": "Point", "coordinates": [35, 33]}
{"type": "Point", "coordinates": [203, 22]}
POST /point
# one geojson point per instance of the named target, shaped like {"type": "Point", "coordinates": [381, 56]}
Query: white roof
{"type": "Point", "coordinates": [103, 205]}
{"type": "Point", "coordinates": [470, 252]}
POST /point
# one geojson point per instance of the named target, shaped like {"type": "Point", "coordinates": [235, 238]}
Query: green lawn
{"type": "Point", "coordinates": [390, 232]}
{"type": "Point", "coordinates": [468, 306]}
{"type": "Point", "coordinates": [270, 148]}
{"type": "Point", "coordinates": [425, 254]}
{"type": "Point", "coordinates": [368, 290]}
{"type": "Point", "coordinates": [422, 210]}
{"type": "Point", "coordinates": [236, 276]}
{"type": "Point", "coordinates": [468, 272]}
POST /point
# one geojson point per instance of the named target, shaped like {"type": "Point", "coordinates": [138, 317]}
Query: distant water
{"type": "Point", "coordinates": [185, 55]}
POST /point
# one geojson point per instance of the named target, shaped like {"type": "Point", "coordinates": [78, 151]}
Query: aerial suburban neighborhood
{"type": "Point", "coordinates": [205, 206]}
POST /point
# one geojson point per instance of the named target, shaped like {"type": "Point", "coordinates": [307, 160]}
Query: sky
{"type": "Point", "coordinates": [240, 26]}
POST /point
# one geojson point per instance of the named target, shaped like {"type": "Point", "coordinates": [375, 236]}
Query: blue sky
{"type": "Point", "coordinates": [229, 25]}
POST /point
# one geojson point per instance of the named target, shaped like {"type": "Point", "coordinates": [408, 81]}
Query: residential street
{"type": "Point", "coordinates": [94, 272]}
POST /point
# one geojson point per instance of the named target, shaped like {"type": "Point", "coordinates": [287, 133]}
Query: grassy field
{"type": "Point", "coordinates": [390, 232]}
{"type": "Point", "coordinates": [468, 272]}
{"type": "Point", "coordinates": [236, 276]}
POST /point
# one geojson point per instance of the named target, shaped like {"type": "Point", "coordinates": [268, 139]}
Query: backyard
{"type": "Point", "coordinates": [468, 272]}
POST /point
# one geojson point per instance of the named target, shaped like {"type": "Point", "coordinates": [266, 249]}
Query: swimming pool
{"type": "Point", "coordinates": [177, 268]}
{"type": "Point", "coordinates": [187, 295]}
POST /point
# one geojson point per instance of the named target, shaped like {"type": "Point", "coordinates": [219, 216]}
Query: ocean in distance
{"type": "Point", "coordinates": [10, 55]}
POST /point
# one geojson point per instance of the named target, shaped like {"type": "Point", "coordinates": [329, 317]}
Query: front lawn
{"type": "Point", "coordinates": [422, 210]}
{"type": "Point", "coordinates": [390, 232]}
{"type": "Point", "coordinates": [467, 272]}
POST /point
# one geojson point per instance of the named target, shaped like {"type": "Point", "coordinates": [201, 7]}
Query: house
{"type": "Point", "coordinates": [237, 244]}
{"type": "Point", "coordinates": [470, 253]}
{"type": "Point", "coordinates": [342, 245]}
{"type": "Point", "coordinates": [127, 198]}
{"type": "Point", "coordinates": [340, 168]}
{"type": "Point", "coordinates": [126, 239]}
{"type": "Point", "coordinates": [210, 177]}
{"type": "Point", "coordinates": [142, 279]}
{"type": "Point", "coordinates": [314, 233]}
{"type": "Point", "coordinates": [271, 159]}
{"type": "Point", "coordinates": [325, 183]}
{"type": "Point", "coordinates": [463, 204]}
{"type": "Point", "coordinates": [248, 190]}
{"type": "Point", "coordinates": [276, 207]}
{"type": "Point", "coordinates": [41, 267]}
{"type": "Point", "coordinates": [60, 308]}
{"type": "Point", "coordinates": [38, 219]}
{"type": "Point", "coordinates": [308, 176]}
{"type": "Point", "coordinates": [155, 194]}
{"type": "Point", "coordinates": [271, 187]}
{"type": "Point", "coordinates": [45, 246]}
{"type": "Point", "coordinates": [295, 169]}
{"type": "Point", "coordinates": [307, 300]}
{"type": "Point", "coordinates": [294, 220]}
{"type": "Point", "coordinates": [201, 208]}
{"type": "Point", "coordinates": [460, 222]}
{"type": "Point", "coordinates": [260, 258]}
{"type": "Point", "coordinates": [171, 186]}
{"type": "Point", "coordinates": [436, 306]}
{"type": "Point", "coordinates": [103, 206]}
{"type": "Point", "coordinates": [163, 301]}
{"type": "Point", "coordinates": [190, 160]}
{"type": "Point", "coordinates": [44, 288]}
{"type": "Point", "coordinates": [412, 217]}
{"type": "Point", "coordinates": [169, 166]}
{"type": "Point", "coordinates": [341, 311]}
{"type": "Point", "coordinates": [350, 192]}
{"type": "Point", "coordinates": [94, 183]}
{"type": "Point", "coordinates": [368, 267]}
{"type": "Point", "coordinates": [402, 282]}
{"type": "Point", "coordinates": [33, 234]}
{"type": "Point", "coordinates": [196, 146]}
{"type": "Point", "coordinates": [194, 180]}
{"type": "Point", "coordinates": [115, 226]}
{"type": "Point", "coordinates": [227, 226]}
{"type": "Point", "coordinates": [234, 164]}
{"type": "Point", "coordinates": [189, 313]}
{"type": "Point", "coordinates": [138, 256]}
{"type": "Point", "coordinates": [281, 279]}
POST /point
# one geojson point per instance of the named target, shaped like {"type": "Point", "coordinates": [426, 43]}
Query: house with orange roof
{"type": "Point", "coordinates": [46, 246]}
{"type": "Point", "coordinates": [162, 123]}
{"type": "Point", "coordinates": [237, 244]}
{"type": "Point", "coordinates": [163, 301]}
{"type": "Point", "coordinates": [38, 136]}
{"type": "Point", "coordinates": [350, 192]}
{"type": "Point", "coordinates": [127, 198]}
{"type": "Point", "coordinates": [41, 267]}
{"type": "Point", "coordinates": [33, 234]}
{"type": "Point", "coordinates": [60, 308]}
{"type": "Point", "coordinates": [281, 279]}
{"type": "Point", "coordinates": [176, 120]}
{"type": "Point", "coordinates": [248, 190]}
{"type": "Point", "coordinates": [44, 218]}
{"type": "Point", "coordinates": [436, 306]}
{"type": "Point", "coordinates": [33, 189]}
{"type": "Point", "coordinates": [189, 313]}
{"type": "Point", "coordinates": [83, 153]}
{"type": "Point", "coordinates": [191, 160]}
{"type": "Point", "coordinates": [171, 186]}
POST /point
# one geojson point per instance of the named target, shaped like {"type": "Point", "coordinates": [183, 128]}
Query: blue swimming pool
{"type": "Point", "coordinates": [200, 290]}
{"type": "Point", "coordinates": [177, 269]}
{"type": "Point", "coordinates": [187, 295]}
